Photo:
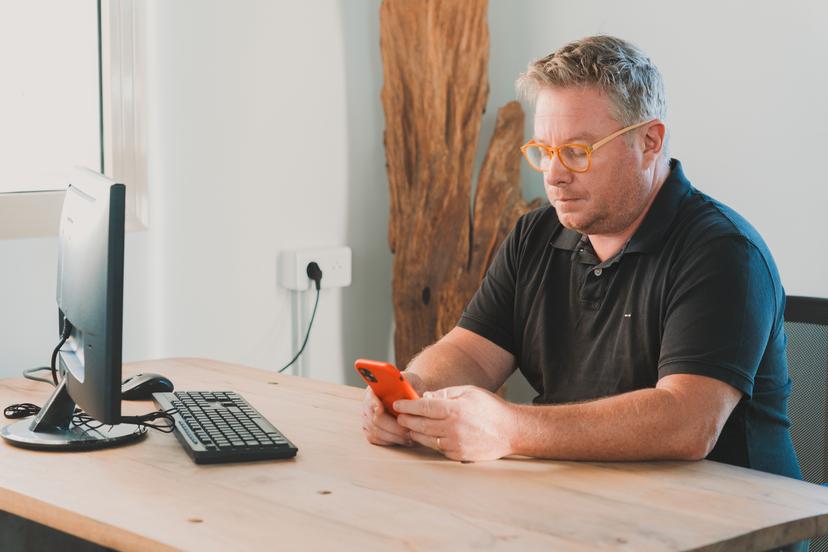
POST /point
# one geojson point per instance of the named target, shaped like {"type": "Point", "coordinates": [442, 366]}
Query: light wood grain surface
{"type": "Point", "coordinates": [341, 493]}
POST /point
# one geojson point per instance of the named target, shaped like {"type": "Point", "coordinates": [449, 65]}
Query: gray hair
{"type": "Point", "coordinates": [619, 69]}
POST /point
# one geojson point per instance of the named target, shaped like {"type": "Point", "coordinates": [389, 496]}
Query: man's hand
{"type": "Point", "coordinates": [380, 427]}
{"type": "Point", "coordinates": [465, 423]}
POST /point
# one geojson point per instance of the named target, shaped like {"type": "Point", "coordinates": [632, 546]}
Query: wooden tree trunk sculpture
{"type": "Point", "coordinates": [435, 57]}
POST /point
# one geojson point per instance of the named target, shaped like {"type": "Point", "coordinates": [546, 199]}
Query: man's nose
{"type": "Point", "coordinates": [556, 174]}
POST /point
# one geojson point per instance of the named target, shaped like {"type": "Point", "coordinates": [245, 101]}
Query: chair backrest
{"type": "Point", "coordinates": [806, 325]}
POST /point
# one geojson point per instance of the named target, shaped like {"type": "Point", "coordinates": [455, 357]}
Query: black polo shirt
{"type": "Point", "coordinates": [694, 291]}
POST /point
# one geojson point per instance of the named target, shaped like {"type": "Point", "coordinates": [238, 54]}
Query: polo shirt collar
{"type": "Point", "coordinates": [651, 234]}
{"type": "Point", "coordinates": [566, 239]}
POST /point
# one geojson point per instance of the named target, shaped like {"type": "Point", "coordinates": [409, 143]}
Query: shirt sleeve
{"type": "Point", "coordinates": [719, 314]}
{"type": "Point", "coordinates": [490, 313]}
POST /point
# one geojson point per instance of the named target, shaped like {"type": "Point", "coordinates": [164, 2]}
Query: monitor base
{"type": "Point", "coordinates": [74, 438]}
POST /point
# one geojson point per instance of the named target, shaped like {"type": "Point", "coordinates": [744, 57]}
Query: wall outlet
{"type": "Point", "coordinates": [335, 263]}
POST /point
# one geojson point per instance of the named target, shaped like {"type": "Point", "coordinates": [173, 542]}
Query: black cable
{"type": "Point", "coordinates": [64, 335]}
{"type": "Point", "coordinates": [82, 419]}
{"type": "Point", "coordinates": [307, 335]}
{"type": "Point", "coordinates": [28, 374]}
{"type": "Point", "coordinates": [315, 274]}
{"type": "Point", "coordinates": [21, 410]}
{"type": "Point", "coordinates": [145, 420]}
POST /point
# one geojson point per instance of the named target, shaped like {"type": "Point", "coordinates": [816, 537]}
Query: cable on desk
{"type": "Point", "coordinates": [28, 374]}
{"type": "Point", "coordinates": [166, 424]}
{"type": "Point", "coordinates": [21, 410]}
{"type": "Point", "coordinates": [84, 420]}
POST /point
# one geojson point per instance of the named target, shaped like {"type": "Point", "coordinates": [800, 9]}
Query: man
{"type": "Point", "coordinates": [647, 315]}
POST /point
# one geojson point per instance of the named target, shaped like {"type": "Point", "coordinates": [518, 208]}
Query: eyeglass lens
{"type": "Point", "coordinates": [573, 157]}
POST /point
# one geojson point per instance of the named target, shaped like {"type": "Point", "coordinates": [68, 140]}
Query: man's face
{"type": "Point", "coordinates": [614, 192]}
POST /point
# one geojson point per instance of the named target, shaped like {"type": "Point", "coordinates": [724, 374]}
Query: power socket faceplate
{"type": "Point", "coordinates": [335, 263]}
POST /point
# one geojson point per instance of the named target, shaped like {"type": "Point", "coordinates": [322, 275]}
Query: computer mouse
{"type": "Point", "coordinates": [141, 387]}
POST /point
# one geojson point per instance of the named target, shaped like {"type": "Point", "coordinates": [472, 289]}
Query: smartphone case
{"type": "Point", "coordinates": [387, 383]}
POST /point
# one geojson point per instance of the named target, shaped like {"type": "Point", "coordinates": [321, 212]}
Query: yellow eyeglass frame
{"type": "Point", "coordinates": [552, 151]}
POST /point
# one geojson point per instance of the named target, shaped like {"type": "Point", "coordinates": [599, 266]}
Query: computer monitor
{"type": "Point", "coordinates": [90, 290]}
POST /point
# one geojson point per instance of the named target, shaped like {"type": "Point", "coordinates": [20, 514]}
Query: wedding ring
{"type": "Point", "coordinates": [438, 444]}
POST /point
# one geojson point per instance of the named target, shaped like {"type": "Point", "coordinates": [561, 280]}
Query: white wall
{"type": "Point", "coordinates": [264, 133]}
{"type": "Point", "coordinates": [238, 89]}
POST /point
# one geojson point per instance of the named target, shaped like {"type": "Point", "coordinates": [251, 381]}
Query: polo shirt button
{"type": "Point", "coordinates": [597, 271]}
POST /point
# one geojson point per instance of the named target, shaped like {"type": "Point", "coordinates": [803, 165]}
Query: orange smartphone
{"type": "Point", "coordinates": [387, 383]}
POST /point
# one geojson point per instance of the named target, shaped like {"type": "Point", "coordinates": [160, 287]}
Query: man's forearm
{"type": "Point", "coordinates": [444, 365]}
{"type": "Point", "coordinates": [648, 424]}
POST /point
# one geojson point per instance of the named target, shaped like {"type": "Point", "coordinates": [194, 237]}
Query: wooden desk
{"type": "Point", "coordinates": [341, 493]}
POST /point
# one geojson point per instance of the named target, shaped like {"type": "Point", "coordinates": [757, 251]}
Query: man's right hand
{"type": "Point", "coordinates": [380, 427]}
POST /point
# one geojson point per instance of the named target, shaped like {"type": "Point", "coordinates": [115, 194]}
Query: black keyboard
{"type": "Point", "coordinates": [220, 426]}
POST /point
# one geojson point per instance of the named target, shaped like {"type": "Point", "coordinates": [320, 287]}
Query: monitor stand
{"type": "Point", "coordinates": [54, 428]}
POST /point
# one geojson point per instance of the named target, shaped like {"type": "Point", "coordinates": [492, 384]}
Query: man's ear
{"type": "Point", "coordinates": [654, 137]}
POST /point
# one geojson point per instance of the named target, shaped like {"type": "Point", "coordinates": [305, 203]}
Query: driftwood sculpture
{"type": "Point", "coordinates": [435, 56]}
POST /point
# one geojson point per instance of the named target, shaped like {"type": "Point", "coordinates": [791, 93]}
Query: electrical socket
{"type": "Point", "coordinates": [335, 263]}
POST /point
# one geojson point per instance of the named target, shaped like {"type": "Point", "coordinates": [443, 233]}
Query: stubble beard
{"type": "Point", "coordinates": [609, 220]}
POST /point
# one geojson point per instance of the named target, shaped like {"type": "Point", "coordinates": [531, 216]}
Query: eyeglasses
{"type": "Point", "coordinates": [574, 157]}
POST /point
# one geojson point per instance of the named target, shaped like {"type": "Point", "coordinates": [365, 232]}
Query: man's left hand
{"type": "Point", "coordinates": [465, 423]}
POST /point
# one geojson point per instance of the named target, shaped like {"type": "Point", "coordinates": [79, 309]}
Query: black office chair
{"type": "Point", "coordinates": [806, 325]}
